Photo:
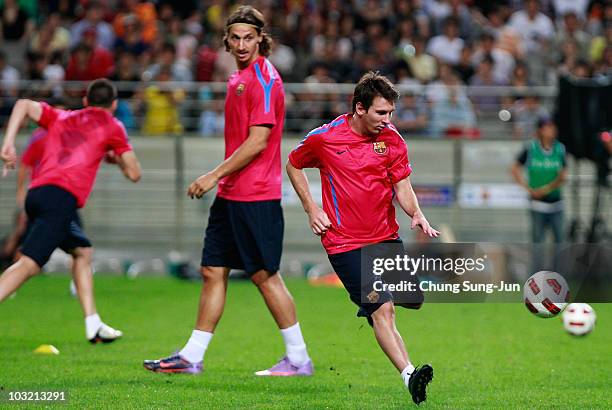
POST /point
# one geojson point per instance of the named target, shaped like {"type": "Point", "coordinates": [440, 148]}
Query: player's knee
{"type": "Point", "coordinates": [83, 253]}
{"type": "Point", "coordinates": [29, 266]}
{"type": "Point", "coordinates": [211, 274]}
{"type": "Point", "coordinates": [385, 314]}
{"type": "Point", "coordinates": [263, 279]}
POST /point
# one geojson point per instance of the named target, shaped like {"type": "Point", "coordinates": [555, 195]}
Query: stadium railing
{"type": "Point", "coordinates": [479, 111]}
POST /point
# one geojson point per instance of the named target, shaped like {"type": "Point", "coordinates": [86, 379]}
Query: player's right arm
{"type": "Point", "coordinates": [305, 156]}
{"type": "Point", "coordinates": [318, 220]}
{"type": "Point", "coordinates": [23, 109]}
{"type": "Point", "coordinates": [517, 171]}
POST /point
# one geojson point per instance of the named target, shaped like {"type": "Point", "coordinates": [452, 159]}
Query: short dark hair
{"type": "Point", "coordinates": [249, 15]}
{"type": "Point", "coordinates": [101, 93]}
{"type": "Point", "coordinates": [373, 85]}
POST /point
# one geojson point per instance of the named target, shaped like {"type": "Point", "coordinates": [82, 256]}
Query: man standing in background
{"type": "Point", "coordinates": [245, 225]}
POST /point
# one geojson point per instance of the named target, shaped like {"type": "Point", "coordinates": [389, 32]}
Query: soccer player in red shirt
{"type": "Point", "coordinates": [76, 143]}
{"type": "Point", "coordinates": [245, 226]}
{"type": "Point", "coordinates": [364, 165]}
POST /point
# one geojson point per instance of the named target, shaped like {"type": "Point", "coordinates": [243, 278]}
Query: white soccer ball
{"type": "Point", "coordinates": [546, 294]}
{"type": "Point", "coordinates": [579, 319]}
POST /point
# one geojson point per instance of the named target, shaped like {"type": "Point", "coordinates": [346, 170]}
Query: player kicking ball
{"type": "Point", "coordinates": [70, 155]}
{"type": "Point", "coordinates": [245, 225]}
{"type": "Point", "coordinates": [364, 165]}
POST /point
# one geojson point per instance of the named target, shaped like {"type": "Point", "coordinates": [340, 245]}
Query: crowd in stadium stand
{"type": "Point", "coordinates": [438, 43]}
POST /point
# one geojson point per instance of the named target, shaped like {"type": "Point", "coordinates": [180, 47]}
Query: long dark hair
{"type": "Point", "coordinates": [253, 17]}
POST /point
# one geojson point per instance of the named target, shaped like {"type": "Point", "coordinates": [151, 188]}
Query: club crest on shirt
{"type": "Point", "coordinates": [380, 147]}
{"type": "Point", "coordinates": [240, 88]}
{"type": "Point", "coordinates": [373, 296]}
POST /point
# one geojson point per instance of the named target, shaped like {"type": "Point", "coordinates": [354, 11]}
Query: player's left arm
{"type": "Point", "coordinates": [22, 180]}
{"type": "Point", "coordinates": [129, 165]}
{"type": "Point", "coordinates": [23, 109]}
{"type": "Point", "coordinates": [408, 201]}
{"type": "Point", "coordinates": [250, 148]}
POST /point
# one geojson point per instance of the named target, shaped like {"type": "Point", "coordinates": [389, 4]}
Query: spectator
{"type": "Point", "coordinates": [422, 65]}
{"type": "Point", "coordinates": [484, 78]}
{"type": "Point", "coordinates": [599, 43]}
{"type": "Point", "coordinates": [464, 68]}
{"type": "Point", "coordinates": [206, 59]}
{"type": "Point", "coordinates": [343, 46]}
{"type": "Point", "coordinates": [212, 118]}
{"type": "Point", "coordinates": [404, 41]}
{"type": "Point", "coordinates": [404, 77]}
{"type": "Point", "coordinates": [35, 66]}
{"type": "Point", "coordinates": [50, 38]}
{"type": "Point", "coordinates": [16, 27]}
{"type": "Point", "coordinates": [89, 60]}
{"type": "Point", "coordinates": [569, 57]}
{"type": "Point", "coordinates": [9, 77]}
{"type": "Point", "coordinates": [582, 69]}
{"type": "Point", "coordinates": [452, 115]}
{"type": "Point", "coordinates": [54, 75]}
{"type": "Point", "coordinates": [132, 40]}
{"type": "Point", "coordinates": [570, 30]}
{"type": "Point", "coordinates": [93, 20]}
{"type": "Point", "coordinates": [535, 27]}
{"type": "Point", "coordinates": [145, 16]}
{"type": "Point", "coordinates": [161, 101]}
{"type": "Point", "coordinates": [283, 58]}
{"type": "Point", "coordinates": [503, 62]}
{"type": "Point", "coordinates": [184, 41]}
{"type": "Point", "coordinates": [603, 67]}
{"type": "Point", "coordinates": [577, 7]}
{"type": "Point", "coordinates": [545, 162]}
{"type": "Point", "coordinates": [447, 47]}
{"type": "Point", "coordinates": [126, 69]}
{"type": "Point", "coordinates": [411, 114]}
{"type": "Point", "coordinates": [525, 113]}
{"type": "Point", "coordinates": [180, 70]}
{"type": "Point", "coordinates": [16, 23]}
{"type": "Point", "coordinates": [457, 10]}
{"type": "Point", "coordinates": [439, 90]}
{"type": "Point", "coordinates": [9, 87]}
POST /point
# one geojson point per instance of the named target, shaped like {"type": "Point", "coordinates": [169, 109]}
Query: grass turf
{"type": "Point", "coordinates": [484, 355]}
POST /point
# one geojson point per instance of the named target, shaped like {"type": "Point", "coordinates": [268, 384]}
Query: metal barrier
{"type": "Point", "coordinates": [430, 111]}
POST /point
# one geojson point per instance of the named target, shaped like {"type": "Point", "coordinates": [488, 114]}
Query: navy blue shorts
{"type": "Point", "coordinates": [348, 267]}
{"type": "Point", "coordinates": [244, 235]}
{"type": "Point", "coordinates": [53, 223]}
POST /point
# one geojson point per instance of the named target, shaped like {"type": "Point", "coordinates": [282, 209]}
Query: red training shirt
{"type": "Point", "coordinates": [357, 178]}
{"type": "Point", "coordinates": [255, 96]}
{"type": "Point", "coordinates": [74, 147]}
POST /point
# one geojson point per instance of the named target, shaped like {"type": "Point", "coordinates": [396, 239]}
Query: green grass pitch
{"type": "Point", "coordinates": [484, 355]}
